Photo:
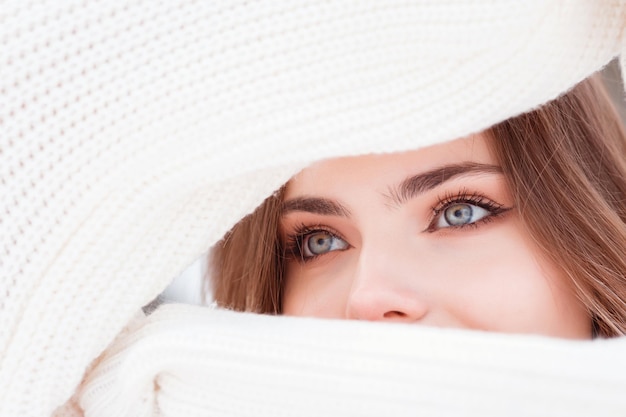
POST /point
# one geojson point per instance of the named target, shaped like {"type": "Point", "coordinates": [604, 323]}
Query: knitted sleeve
{"type": "Point", "coordinates": [135, 133]}
{"type": "Point", "coordinates": [188, 361]}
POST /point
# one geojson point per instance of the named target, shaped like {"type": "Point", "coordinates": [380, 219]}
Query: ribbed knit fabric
{"type": "Point", "coordinates": [185, 362]}
{"type": "Point", "coordinates": [133, 134]}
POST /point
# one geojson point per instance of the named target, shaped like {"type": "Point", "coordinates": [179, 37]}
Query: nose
{"type": "Point", "coordinates": [385, 289]}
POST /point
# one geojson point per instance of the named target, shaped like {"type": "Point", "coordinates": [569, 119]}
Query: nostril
{"type": "Point", "coordinates": [394, 315]}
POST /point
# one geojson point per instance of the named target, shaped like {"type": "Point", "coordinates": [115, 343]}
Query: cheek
{"type": "Point", "coordinates": [318, 290]}
{"type": "Point", "coordinates": [504, 285]}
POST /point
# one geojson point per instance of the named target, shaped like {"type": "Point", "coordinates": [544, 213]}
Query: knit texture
{"type": "Point", "coordinates": [134, 134]}
{"type": "Point", "coordinates": [184, 362]}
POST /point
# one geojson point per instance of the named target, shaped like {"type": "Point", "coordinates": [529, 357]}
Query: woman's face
{"type": "Point", "coordinates": [428, 237]}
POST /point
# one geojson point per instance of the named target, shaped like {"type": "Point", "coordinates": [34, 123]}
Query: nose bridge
{"type": "Point", "coordinates": [385, 284]}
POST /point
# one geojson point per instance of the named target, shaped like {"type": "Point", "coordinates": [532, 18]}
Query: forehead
{"type": "Point", "coordinates": [380, 171]}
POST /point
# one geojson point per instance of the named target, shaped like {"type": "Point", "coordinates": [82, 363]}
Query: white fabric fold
{"type": "Point", "coordinates": [134, 134]}
{"type": "Point", "coordinates": [193, 361]}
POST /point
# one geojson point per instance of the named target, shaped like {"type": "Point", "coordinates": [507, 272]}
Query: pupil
{"type": "Point", "coordinates": [458, 214]}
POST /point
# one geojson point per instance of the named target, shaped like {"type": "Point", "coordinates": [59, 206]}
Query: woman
{"type": "Point", "coordinates": [522, 230]}
{"type": "Point", "coordinates": [136, 134]}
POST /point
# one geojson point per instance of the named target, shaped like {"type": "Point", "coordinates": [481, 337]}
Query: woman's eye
{"type": "Point", "coordinates": [460, 214]}
{"type": "Point", "coordinates": [320, 242]}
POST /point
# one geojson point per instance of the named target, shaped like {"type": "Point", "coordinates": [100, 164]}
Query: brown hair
{"type": "Point", "coordinates": [246, 266]}
{"type": "Point", "coordinates": [564, 163]}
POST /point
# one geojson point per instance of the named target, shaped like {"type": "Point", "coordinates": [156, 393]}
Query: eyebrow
{"type": "Point", "coordinates": [420, 183]}
{"type": "Point", "coordinates": [400, 194]}
{"type": "Point", "coordinates": [317, 205]}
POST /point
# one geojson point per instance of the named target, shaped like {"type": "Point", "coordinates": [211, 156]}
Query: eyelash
{"type": "Point", "coordinates": [465, 197]}
{"type": "Point", "coordinates": [295, 240]}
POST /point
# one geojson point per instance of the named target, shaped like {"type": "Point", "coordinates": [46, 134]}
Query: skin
{"type": "Point", "coordinates": [380, 259]}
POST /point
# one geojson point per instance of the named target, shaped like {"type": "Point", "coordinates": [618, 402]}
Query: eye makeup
{"type": "Point", "coordinates": [492, 208]}
{"type": "Point", "coordinates": [296, 241]}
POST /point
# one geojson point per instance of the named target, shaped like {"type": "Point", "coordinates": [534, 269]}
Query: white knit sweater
{"type": "Point", "coordinates": [133, 134]}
